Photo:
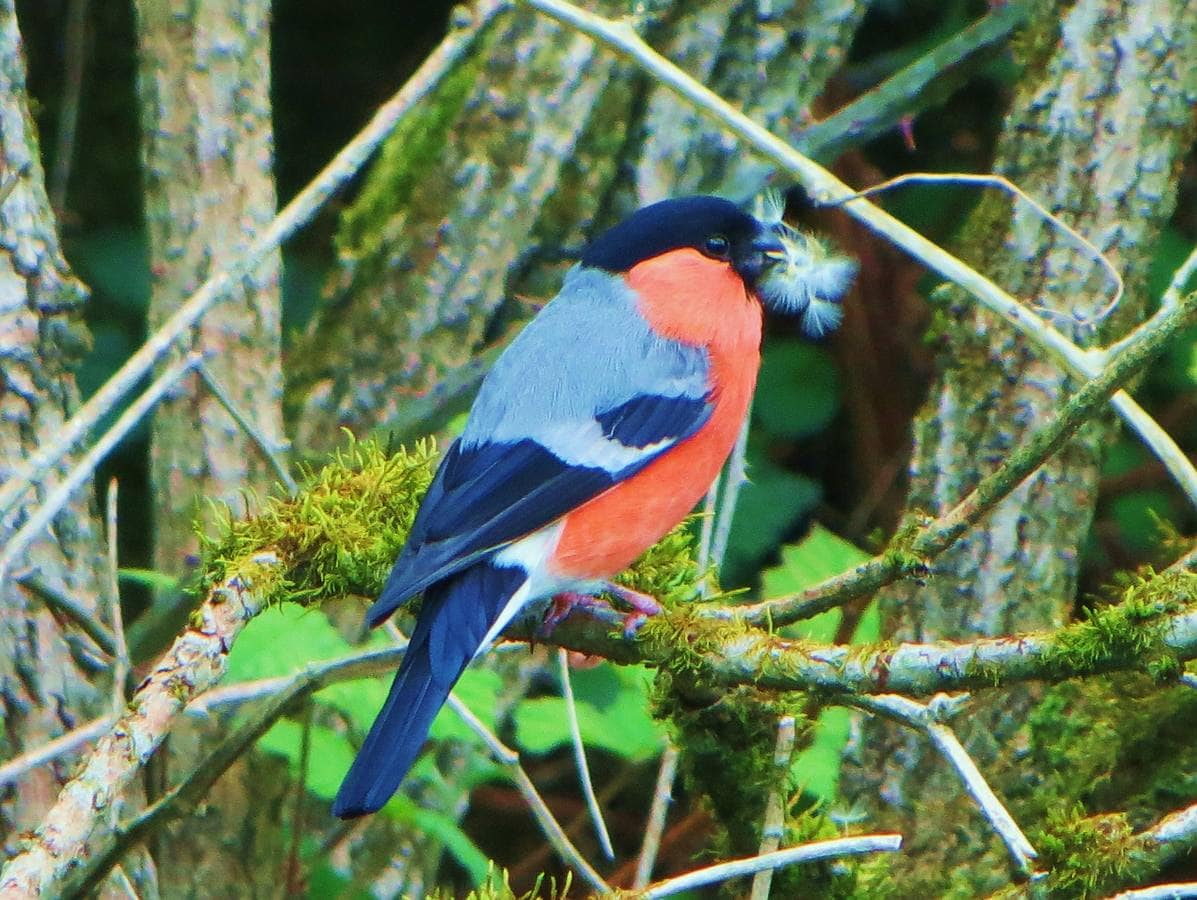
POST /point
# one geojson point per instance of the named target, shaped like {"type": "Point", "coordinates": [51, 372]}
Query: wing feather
{"type": "Point", "coordinates": [485, 497]}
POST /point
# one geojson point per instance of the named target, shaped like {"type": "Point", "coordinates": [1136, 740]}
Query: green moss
{"type": "Point", "coordinates": [667, 570]}
{"type": "Point", "coordinates": [1131, 631]}
{"type": "Point", "coordinates": [498, 887]}
{"type": "Point", "coordinates": [1088, 856]}
{"type": "Point", "coordinates": [412, 150]}
{"type": "Point", "coordinates": [1117, 742]}
{"type": "Point", "coordinates": [339, 535]}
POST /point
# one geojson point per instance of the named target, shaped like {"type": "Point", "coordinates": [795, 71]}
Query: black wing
{"type": "Point", "coordinates": [484, 497]}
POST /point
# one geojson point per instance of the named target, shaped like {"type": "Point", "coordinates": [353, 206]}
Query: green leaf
{"type": "Point", "coordinates": [818, 556]}
{"type": "Point", "coordinates": [328, 759]}
{"type": "Point", "coordinates": [283, 640]}
{"type": "Point", "coordinates": [444, 829]}
{"type": "Point", "coordinates": [618, 722]}
{"type": "Point", "coordinates": [816, 769]}
{"type": "Point", "coordinates": [769, 506]}
{"type": "Point", "coordinates": [798, 391]}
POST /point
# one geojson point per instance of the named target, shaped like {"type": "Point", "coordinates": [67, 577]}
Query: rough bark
{"type": "Point", "coordinates": [204, 87]}
{"type": "Point", "coordinates": [44, 689]}
{"type": "Point", "coordinates": [1098, 126]}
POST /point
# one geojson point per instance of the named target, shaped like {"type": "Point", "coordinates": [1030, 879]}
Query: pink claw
{"type": "Point", "coordinates": [643, 606]}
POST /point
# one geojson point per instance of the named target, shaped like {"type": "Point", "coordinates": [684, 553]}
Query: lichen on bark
{"type": "Point", "coordinates": [1098, 124]}
{"type": "Point", "coordinates": [44, 688]}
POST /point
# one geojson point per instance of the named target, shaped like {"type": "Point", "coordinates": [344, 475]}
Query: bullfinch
{"type": "Point", "coordinates": [596, 432]}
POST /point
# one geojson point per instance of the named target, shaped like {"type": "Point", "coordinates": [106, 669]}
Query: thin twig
{"type": "Point", "coordinates": [927, 720]}
{"type": "Point", "coordinates": [16, 768]}
{"type": "Point", "coordinates": [302, 208]}
{"type": "Point", "coordinates": [825, 187]}
{"type": "Point", "coordinates": [657, 813]}
{"type": "Point", "coordinates": [773, 828]}
{"type": "Point", "coordinates": [269, 449]}
{"type": "Point", "coordinates": [1176, 891]}
{"type": "Point", "coordinates": [1005, 184]}
{"type": "Point", "coordinates": [1168, 302]}
{"type": "Point", "coordinates": [849, 846]}
{"type": "Point", "coordinates": [878, 110]}
{"type": "Point", "coordinates": [734, 479]}
{"type": "Point", "coordinates": [82, 471]}
{"type": "Point", "coordinates": [67, 606]}
{"type": "Point", "coordinates": [548, 823]}
{"type": "Point", "coordinates": [121, 667]}
{"type": "Point", "coordinates": [575, 733]}
{"type": "Point", "coordinates": [703, 558]}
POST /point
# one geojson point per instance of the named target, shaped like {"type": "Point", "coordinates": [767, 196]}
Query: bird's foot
{"type": "Point", "coordinates": [643, 605]}
{"type": "Point", "coordinates": [564, 603]}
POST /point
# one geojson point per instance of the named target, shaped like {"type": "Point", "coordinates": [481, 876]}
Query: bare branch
{"type": "Point", "coordinates": [17, 767]}
{"type": "Point", "coordinates": [655, 827]}
{"type": "Point", "coordinates": [927, 720]}
{"type": "Point", "coordinates": [849, 846]}
{"type": "Point", "coordinates": [773, 828]}
{"type": "Point", "coordinates": [579, 748]}
{"type": "Point", "coordinates": [196, 661]}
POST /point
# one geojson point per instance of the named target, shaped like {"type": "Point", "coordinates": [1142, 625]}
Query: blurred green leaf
{"type": "Point", "coordinates": [328, 760]}
{"type": "Point", "coordinates": [798, 390]}
{"type": "Point", "coordinates": [770, 505]}
{"type": "Point", "coordinates": [444, 829]}
{"type": "Point", "coordinates": [1139, 513]}
{"type": "Point", "coordinates": [620, 723]}
{"type": "Point", "coordinates": [818, 556]}
{"type": "Point", "coordinates": [283, 640]}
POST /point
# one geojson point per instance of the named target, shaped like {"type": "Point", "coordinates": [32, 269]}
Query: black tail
{"type": "Point", "coordinates": [454, 619]}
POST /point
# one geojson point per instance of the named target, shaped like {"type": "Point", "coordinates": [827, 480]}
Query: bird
{"type": "Point", "coordinates": [597, 431]}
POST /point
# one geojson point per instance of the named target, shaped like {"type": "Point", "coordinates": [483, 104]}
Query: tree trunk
{"type": "Point", "coordinates": [204, 84]}
{"type": "Point", "coordinates": [1099, 124]}
{"type": "Point", "coordinates": [45, 686]}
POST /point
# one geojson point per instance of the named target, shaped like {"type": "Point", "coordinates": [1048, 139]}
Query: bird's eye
{"type": "Point", "coordinates": [718, 246]}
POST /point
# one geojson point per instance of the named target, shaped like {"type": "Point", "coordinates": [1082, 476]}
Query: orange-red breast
{"type": "Point", "coordinates": [595, 433]}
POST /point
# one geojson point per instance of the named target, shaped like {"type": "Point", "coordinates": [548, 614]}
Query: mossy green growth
{"type": "Point", "coordinates": [1131, 631]}
{"type": "Point", "coordinates": [498, 887]}
{"type": "Point", "coordinates": [1112, 742]}
{"type": "Point", "coordinates": [338, 535]}
{"type": "Point", "coordinates": [1088, 856]}
{"type": "Point", "coordinates": [667, 570]}
{"type": "Point", "coordinates": [727, 758]}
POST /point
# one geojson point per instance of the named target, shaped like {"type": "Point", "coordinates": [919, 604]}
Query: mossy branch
{"type": "Point", "coordinates": [341, 532]}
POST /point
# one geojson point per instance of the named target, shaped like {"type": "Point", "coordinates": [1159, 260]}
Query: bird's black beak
{"type": "Point", "coordinates": [765, 250]}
